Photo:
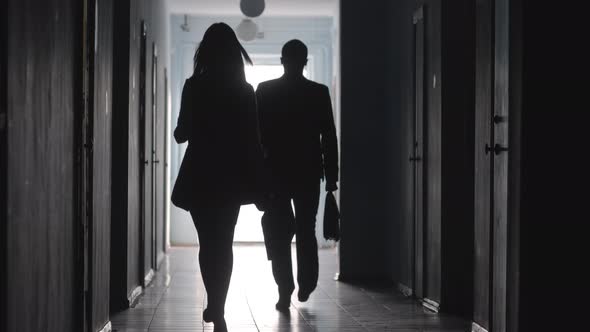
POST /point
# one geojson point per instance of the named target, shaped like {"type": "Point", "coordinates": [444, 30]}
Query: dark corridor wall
{"type": "Point", "coordinates": [3, 158]}
{"type": "Point", "coordinates": [405, 72]}
{"type": "Point", "coordinates": [42, 45]}
{"type": "Point", "coordinates": [370, 126]}
{"type": "Point", "coordinates": [458, 160]}
{"type": "Point", "coordinates": [377, 139]}
{"type": "Point", "coordinates": [101, 175]}
{"type": "Point", "coordinates": [131, 247]}
{"type": "Point", "coordinates": [552, 215]}
{"type": "Point", "coordinates": [60, 156]}
{"type": "Point", "coordinates": [120, 159]}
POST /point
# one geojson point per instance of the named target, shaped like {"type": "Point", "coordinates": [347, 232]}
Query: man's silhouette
{"type": "Point", "coordinates": [299, 137]}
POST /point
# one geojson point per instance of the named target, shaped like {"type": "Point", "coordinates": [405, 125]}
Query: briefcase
{"type": "Point", "coordinates": [331, 218]}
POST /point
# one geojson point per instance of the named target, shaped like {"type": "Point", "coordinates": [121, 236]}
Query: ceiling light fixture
{"type": "Point", "coordinates": [252, 8]}
{"type": "Point", "coordinates": [247, 30]}
{"type": "Point", "coordinates": [185, 27]}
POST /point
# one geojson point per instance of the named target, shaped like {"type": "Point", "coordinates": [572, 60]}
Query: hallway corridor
{"type": "Point", "coordinates": [461, 137]}
{"type": "Point", "coordinates": [175, 300]}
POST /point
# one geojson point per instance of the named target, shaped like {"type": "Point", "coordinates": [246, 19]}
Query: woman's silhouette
{"type": "Point", "coordinates": [219, 171]}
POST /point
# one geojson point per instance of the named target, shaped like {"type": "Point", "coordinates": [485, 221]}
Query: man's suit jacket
{"type": "Point", "coordinates": [298, 133]}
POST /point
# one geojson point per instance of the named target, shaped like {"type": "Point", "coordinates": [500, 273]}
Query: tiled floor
{"type": "Point", "coordinates": [175, 300]}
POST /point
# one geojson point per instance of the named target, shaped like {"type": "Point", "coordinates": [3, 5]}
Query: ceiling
{"type": "Point", "coordinates": [273, 7]}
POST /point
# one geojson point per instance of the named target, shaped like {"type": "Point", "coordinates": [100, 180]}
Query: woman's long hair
{"type": "Point", "coordinates": [220, 51]}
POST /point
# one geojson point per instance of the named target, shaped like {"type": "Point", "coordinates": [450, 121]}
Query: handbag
{"type": "Point", "coordinates": [331, 218]}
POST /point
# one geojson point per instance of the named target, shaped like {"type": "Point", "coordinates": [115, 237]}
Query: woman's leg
{"type": "Point", "coordinates": [215, 227]}
{"type": "Point", "coordinates": [202, 218]}
{"type": "Point", "coordinates": [224, 253]}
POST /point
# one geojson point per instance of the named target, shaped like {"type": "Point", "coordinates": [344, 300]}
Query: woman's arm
{"type": "Point", "coordinates": [182, 131]}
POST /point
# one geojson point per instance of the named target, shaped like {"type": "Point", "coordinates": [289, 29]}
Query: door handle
{"type": "Point", "coordinates": [415, 158]}
{"type": "Point", "coordinates": [156, 161]}
{"type": "Point", "coordinates": [89, 145]}
{"type": "Point", "coordinates": [497, 149]}
{"type": "Point", "coordinates": [499, 119]}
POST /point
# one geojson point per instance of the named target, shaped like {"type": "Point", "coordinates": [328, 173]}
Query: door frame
{"type": "Point", "coordinates": [508, 68]}
{"type": "Point", "coordinates": [514, 166]}
{"type": "Point", "coordinates": [3, 160]}
{"type": "Point", "coordinates": [83, 146]}
{"type": "Point", "coordinates": [88, 163]}
{"type": "Point", "coordinates": [145, 274]}
{"type": "Point", "coordinates": [417, 157]}
{"type": "Point", "coordinates": [165, 200]}
{"type": "Point", "coordinates": [154, 156]}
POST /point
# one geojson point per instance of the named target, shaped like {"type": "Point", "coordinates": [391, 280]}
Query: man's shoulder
{"type": "Point", "coordinates": [317, 86]}
{"type": "Point", "coordinates": [269, 84]}
{"type": "Point", "coordinates": [314, 86]}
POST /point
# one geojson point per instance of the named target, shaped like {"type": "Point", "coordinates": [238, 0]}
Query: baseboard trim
{"type": "Point", "coordinates": [364, 281]}
{"type": "Point", "coordinates": [148, 278]}
{"type": "Point", "coordinates": [476, 328]}
{"type": "Point", "coordinates": [107, 328]}
{"type": "Point", "coordinates": [134, 296]}
{"type": "Point", "coordinates": [407, 291]}
{"type": "Point", "coordinates": [431, 305]}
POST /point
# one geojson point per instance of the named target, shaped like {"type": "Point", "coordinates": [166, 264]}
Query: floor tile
{"type": "Point", "coordinates": [175, 300]}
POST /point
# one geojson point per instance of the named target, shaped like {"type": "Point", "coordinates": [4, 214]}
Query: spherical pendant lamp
{"type": "Point", "coordinates": [247, 30]}
{"type": "Point", "coordinates": [252, 8]}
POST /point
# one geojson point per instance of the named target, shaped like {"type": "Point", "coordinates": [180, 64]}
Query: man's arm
{"type": "Point", "coordinates": [329, 141]}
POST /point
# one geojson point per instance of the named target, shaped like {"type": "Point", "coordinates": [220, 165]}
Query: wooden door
{"type": "Point", "coordinates": [145, 152]}
{"type": "Point", "coordinates": [418, 153]}
{"type": "Point", "coordinates": [154, 158]}
{"type": "Point", "coordinates": [164, 189]}
{"type": "Point", "coordinates": [483, 162]}
{"type": "Point", "coordinates": [492, 165]}
{"type": "Point", "coordinates": [86, 183]}
{"type": "Point", "coordinates": [101, 164]}
{"type": "Point", "coordinates": [500, 166]}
